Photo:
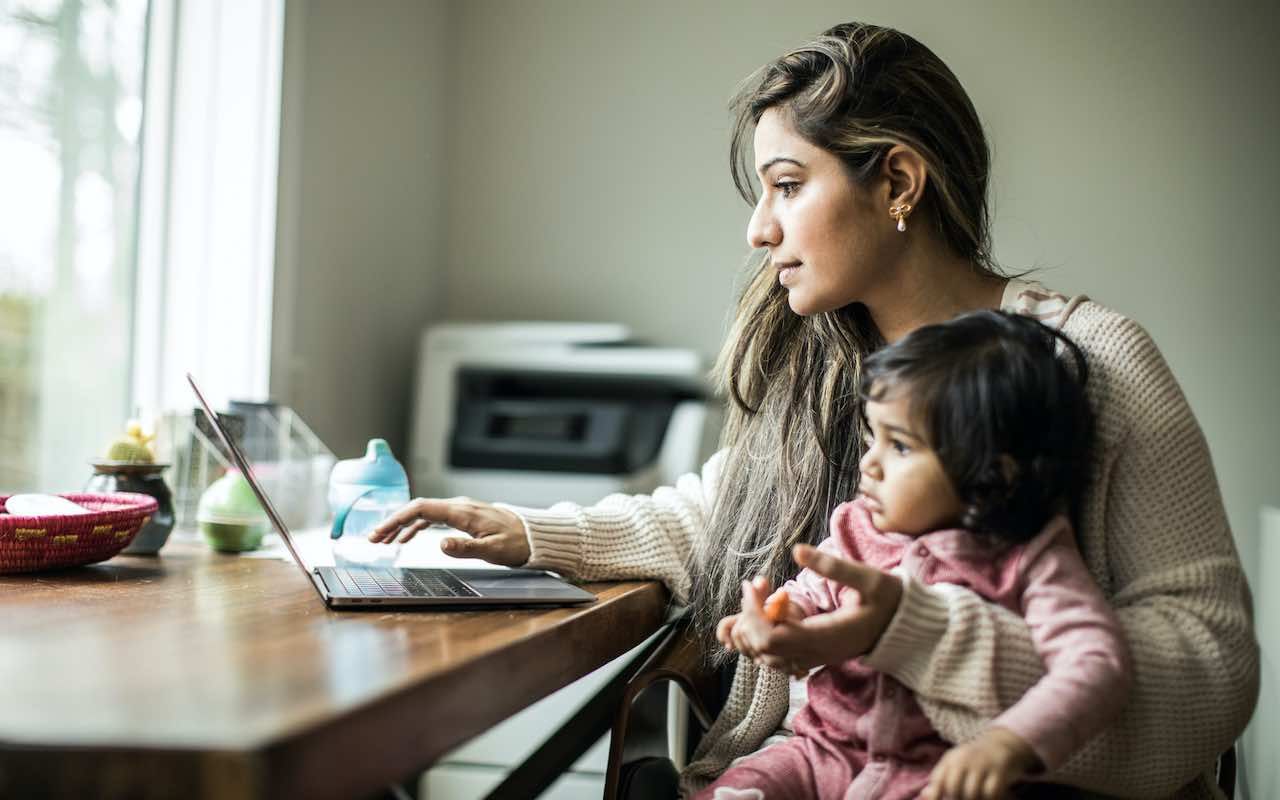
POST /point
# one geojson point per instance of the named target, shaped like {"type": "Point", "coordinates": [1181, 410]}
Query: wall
{"type": "Point", "coordinates": [360, 246]}
{"type": "Point", "coordinates": [1264, 735]}
{"type": "Point", "coordinates": [586, 179]}
{"type": "Point", "coordinates": [1133, 161]}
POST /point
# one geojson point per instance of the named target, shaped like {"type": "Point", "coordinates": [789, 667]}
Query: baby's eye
{"type": "Point", "coordinates": [787, 188]}
{"type": "Point", "coordinates": [898, 447]}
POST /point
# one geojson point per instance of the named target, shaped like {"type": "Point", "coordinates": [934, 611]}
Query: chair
{"type": "Point", "coordinates": [669, 655]}
{"type": "Point", "coordinates": [694, 687]}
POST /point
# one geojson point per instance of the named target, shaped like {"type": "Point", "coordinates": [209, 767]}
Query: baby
{"type": "Point", "coordinates": [979, 438]}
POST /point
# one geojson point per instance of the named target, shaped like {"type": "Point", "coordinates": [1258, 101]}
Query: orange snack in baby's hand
{"type": "Point", "coordinates": [775, 608]}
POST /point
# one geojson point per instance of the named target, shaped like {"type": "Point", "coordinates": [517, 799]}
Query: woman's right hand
{"type": "Point", "coordinates": [497, 535]}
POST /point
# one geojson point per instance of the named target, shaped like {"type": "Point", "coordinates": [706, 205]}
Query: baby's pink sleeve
{"type": "Point", "coordinates": [1088, 670]}
{"type": "Point", "coordinates": [812, 593]}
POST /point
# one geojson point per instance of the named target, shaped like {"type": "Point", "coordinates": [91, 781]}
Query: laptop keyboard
{"type": "Point", "coordinates": [403, 583]}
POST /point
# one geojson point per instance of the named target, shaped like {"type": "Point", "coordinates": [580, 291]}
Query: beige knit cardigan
{"type": "Point", "coordinates": [1153, 532]}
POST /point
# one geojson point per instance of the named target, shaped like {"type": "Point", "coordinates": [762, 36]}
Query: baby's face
{"type": "Point", "coordinates": [903, 482]}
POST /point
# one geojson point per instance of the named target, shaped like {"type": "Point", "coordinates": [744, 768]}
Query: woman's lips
{"type": "Point", "coordinates": [787, 273]}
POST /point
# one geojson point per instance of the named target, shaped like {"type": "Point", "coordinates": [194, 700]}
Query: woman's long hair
{"type": "Point", "coordinates": [794, 430]}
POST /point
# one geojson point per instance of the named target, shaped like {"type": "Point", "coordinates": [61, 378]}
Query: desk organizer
{"type": "Point", "coordinates": [288, 459]}
{"type": "Point", "coordinates": [29, 544]}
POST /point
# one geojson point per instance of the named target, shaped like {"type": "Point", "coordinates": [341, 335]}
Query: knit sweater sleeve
{"type": "Point", "coordinates": [1155, 536]}
{"type": "Point", "coordinates": [1087, 667]}
{"type": "Point", "coordinates": [625, 536]}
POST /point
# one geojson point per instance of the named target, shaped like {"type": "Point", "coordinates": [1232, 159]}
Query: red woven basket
{"type": "Point", "coordinates": [28, 544]}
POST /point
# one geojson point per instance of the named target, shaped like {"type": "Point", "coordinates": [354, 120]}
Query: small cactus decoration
{"type": "Point", "coordinates": [134, 447]}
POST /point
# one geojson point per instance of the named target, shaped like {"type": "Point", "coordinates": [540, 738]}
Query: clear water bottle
{"type": "Point", "coordinates": [363, 492]}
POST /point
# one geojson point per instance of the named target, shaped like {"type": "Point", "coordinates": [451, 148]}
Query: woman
{"type": "Point", "coordinates": [872, 221]}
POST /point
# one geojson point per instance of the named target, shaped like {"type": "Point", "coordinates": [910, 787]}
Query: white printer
{"type": "Point", "coordinates": [536, 413]}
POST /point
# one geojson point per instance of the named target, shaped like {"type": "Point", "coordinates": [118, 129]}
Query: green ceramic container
{"type": "Point", "coordinates": [229, 516]}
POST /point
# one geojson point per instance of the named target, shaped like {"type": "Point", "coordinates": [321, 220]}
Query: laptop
{"type": "Point", "coordinates": [364, 587]}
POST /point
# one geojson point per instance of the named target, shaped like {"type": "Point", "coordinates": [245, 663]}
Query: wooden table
{"type": "Point", "coordinates": [200, 675]}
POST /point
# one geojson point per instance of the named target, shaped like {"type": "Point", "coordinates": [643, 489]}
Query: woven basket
{"type": "Point", "coordinates": [28, 544]}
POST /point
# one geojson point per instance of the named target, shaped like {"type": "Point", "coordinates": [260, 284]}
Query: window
{"type": "Point", "coordinates": [134, 247]}
{"type": "Point", "coordinates": [70, 123]}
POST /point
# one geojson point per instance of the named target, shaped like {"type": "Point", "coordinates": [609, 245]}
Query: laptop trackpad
{"type": "Point", "coordinates": [519, 585]}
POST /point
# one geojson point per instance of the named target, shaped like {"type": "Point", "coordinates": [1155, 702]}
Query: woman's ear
{"type": "Point", "coordinates": [906, 174]}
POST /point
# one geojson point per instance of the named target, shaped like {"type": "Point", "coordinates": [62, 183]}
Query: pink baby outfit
{"type": "Point", "coordinates": [863, 735]}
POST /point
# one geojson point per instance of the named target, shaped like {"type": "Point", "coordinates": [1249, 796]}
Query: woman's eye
{"type": "Point", "coordinates": [787, 188]}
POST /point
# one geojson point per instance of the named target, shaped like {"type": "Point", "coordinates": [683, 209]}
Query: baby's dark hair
{"type": "Point", "coordinates": [1007, 417]}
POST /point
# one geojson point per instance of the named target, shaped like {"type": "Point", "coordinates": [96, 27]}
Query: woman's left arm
{"type": "Point", "coordinates": [1175, 582]}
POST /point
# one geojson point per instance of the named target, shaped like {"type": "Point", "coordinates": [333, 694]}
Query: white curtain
{"type": "Point", "coordinates": [208, 201]}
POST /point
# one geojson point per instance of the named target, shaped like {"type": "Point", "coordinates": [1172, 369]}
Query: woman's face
{"type": "Point", "coordinates": [827, 237]}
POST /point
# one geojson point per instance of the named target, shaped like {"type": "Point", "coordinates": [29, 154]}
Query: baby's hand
{"type": "Point", "coordinates": [777, 605]}
{"type": "Point", "coordinates": [982, 769]}
{"type": "Point", "coordinates": [724, 631]}
{"type": "Point", "coordinates": [777, 608]}
{"type": "Point", "coordinates": [747, 631]}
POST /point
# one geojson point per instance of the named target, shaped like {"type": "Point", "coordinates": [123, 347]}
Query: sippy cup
{"type": "Point", "coordinates": [362, 492]}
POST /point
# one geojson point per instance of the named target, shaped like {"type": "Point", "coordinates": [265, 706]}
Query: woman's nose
{"type": "Point", "coordinates": [763, 229]}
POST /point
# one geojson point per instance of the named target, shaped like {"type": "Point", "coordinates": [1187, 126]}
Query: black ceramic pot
{"type": "Point", "coordinates": [117, 476]}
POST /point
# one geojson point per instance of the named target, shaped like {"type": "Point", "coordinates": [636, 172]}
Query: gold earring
{"type": "Point", "coordinates": [899, 211]}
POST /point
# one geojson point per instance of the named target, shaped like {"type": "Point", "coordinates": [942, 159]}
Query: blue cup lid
{"type": "Point", "coordinates": [378, 468]}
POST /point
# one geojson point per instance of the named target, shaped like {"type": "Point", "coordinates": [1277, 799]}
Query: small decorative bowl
{"type": "Point", "coordinates": [30, 544]}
